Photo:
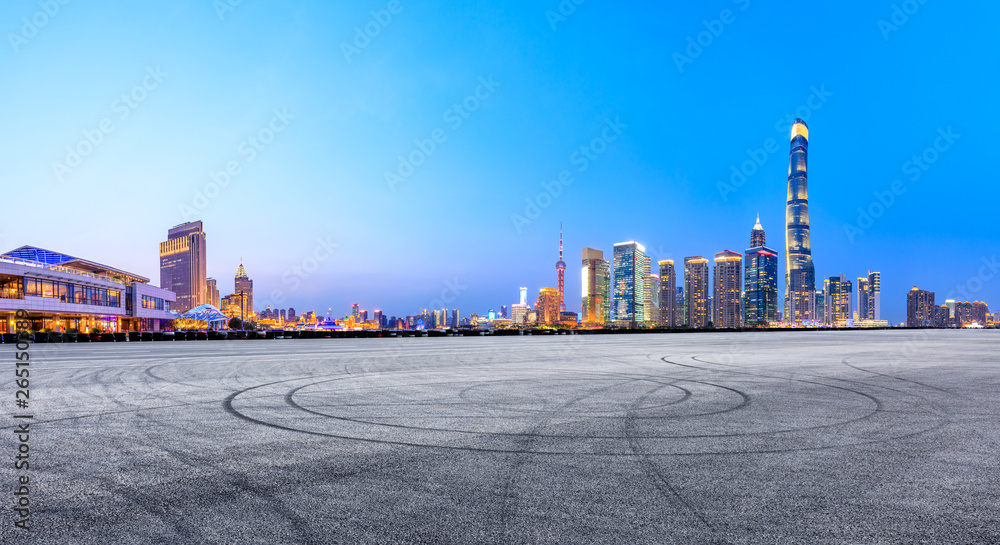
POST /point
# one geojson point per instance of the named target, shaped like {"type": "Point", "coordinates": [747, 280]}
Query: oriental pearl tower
{"type": "Point", "coordinates": [561, 269]}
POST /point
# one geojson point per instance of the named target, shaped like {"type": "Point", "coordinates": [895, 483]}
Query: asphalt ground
{"type": "Point", "coordinates": [791, 437]}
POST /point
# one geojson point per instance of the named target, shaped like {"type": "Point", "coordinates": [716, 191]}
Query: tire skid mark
{"type": "Point", "coordinates": [660, 481]}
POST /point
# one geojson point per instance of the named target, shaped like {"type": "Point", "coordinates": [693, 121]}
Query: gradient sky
{"type": "Point", "coordinates": [886, 93]}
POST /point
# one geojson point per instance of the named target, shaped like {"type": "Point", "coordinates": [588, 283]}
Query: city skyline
{"type": "Point", "coordinates": [335, 124]}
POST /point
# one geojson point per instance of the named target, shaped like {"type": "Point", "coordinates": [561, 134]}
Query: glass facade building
{"type": "Point", "coordinates": [870, 296]}
{"type": "Point", "coordinates": [838, 294]}
{"type": "Point", "coordinates": [63, 293]}
{"type": "Point", "coordinates": [596, 283]}
{"type": "Point", "coordinates": [183, 264]}
{"type": "Point", "coordinates": [760, 281]}
{"type": "Point", "coordinates": [800, 276]}
{"type": "Point", "coordinates": [629, 283]}
{"type": "Point", "coordinates": [760, 300]}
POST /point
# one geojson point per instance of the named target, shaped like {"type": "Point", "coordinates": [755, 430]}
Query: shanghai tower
{"type": "Point", "coordinates": [800, 276]}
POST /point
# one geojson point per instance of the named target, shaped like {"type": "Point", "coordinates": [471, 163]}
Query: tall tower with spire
{"type": "Point", "coordinates": [760, 281]}
{"type": "Point", "coordinates": [800, 275]}
{"type": "Point", "coordinates": [244, 290]}
{"type": "Point", "coordinates": [757, 235]}
{"type": "Point", "coordinates": [561, 269]}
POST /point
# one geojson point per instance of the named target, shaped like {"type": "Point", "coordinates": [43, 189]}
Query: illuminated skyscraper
{"type": "Point", "coordinates": [862, 307]}
{"type": "Point", "coordinates": [596, 282]}
{"type": "Point", "coordinates": [244, 288]}
{"type": "Point", "coordinates": [629, 283]}
{"type": "Point", "coordinates": [183, 259]}
{"type": "Point", "coordinates": [800, 275]}
{"type": "Point", "coordinates": [561, 270]}
{"type": "Point", "coordinates": [668, 290]}
{"type": "Point", "coordinates": [757, 237]}
{"type": "Point", "coordinates": [212, 296]}
{"type": "Point", "coordinates": [679, 307]}
{"type": "Point", "coordinates": [920, 308]}
{"type": "Point", "coordinates": [873, 297]}
{"type": "Point", "coordinates": [695, 291]}
{"type": "Point", "coordinates": [726, 290]}
{"type": "Point", "coordinates": [653, 299]}
{"type": "Point", "coordinates": [355, 308]}
{"type": "Point", "coordinates": [650, 313]}
{"type": "Point", "coordinates": [760, 281]}
{"type": "Point", "coordinates": [548, 306]}
{"type": "Point", "coordinates": [838, 294]}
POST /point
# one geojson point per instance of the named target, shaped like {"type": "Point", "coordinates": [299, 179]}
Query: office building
{"type": "Point", "coordinates": [727, 310]}
{"type": "Point", "coordinates": [212, 294]}
{"type": "Point", "coordinates": [183, 259]}
{"type": "Point", "coordinates": [548, 306]}
{"type": "Point", "coordinates": [863, 303]}
{"type": "Point", "coordinates": [235, 306]}
{"type": "Point", "coordinates": [668, 289]}
{"type": "Point", "coordinates": [872, 297]}
{"type": "Point", "coordinates": [629, 283]}
{"type": "Point", "coordinates": [838, 296]}
{"type": "Point", "coordinates": [800, 276]}
{"type": "Point", "coordinates": [648, 314]}
{"type": "Point", "coordinates": [65, 294]}
{"type": "Point", "coordinates": [757, 235]}
{"type": "Point", "coordinates": [519, 313]}
{"type": "Point", "coordinates": [760, 282]}
{"type": "Point", "coordinates": [596, 283]}
{"type": "Point", "coordinates": [653, 299]}
{"type": "Point", "coordinates": [679, 307]}
{"type": "Point", "coordinates": [942, 316]}
{"type": "Point", "coordinates": [696, 292]}
{"type": "Point", "coordinates": [920, 308]}
{"type": "Point", "coordinates": [244, 287]}
{"type": "Point", "coordinates": [454, 317]}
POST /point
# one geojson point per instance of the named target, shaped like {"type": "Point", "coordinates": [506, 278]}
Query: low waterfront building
{"type": "Point", "coordinates": [65, 293]}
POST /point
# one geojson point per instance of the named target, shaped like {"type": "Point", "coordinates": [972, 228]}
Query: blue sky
{"type": "Point", "coordinates": [204, 86]}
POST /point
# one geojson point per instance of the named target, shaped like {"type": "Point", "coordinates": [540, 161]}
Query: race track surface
{"type": "Point", "coordinates": [789, 437]}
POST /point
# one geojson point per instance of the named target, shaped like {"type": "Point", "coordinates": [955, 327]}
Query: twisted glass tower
{"type": "Point", "coordinates": [800, 276]}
